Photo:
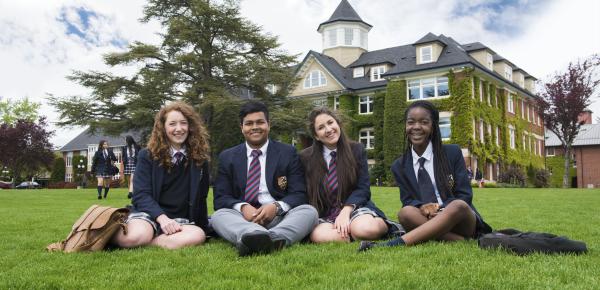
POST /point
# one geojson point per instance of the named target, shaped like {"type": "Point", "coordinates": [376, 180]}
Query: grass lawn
{"type": "Point", "coordinates": [31, 219]}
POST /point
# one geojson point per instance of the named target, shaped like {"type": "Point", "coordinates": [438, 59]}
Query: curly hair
{"type": "Point", "coordinates": [196, 143]}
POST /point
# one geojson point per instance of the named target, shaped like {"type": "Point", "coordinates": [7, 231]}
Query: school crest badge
{"type": "Point", "coordinates": [282, 182]}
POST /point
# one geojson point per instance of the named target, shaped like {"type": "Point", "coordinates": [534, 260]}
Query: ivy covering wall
{"type": "Point", "coordinates": [467, 109]}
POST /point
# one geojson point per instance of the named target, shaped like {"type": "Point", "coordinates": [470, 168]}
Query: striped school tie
{"type": "Point", "coordinates": [332, 180]}
{"type": "Point", "coordinates": [253, 181]}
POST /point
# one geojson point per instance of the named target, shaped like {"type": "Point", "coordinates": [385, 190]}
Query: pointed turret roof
{"type": "Point", "coordinates": [344, 12]}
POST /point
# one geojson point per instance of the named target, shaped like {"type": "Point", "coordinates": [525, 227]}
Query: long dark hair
{"type": "Point", "coordinates": [100, 145]}
{"type": "Point", "coordinates": [347, 166]}
{"type": "Point", "coordinates": [130, 141]}
{"type": "Point", "coordinates": [441, 167]}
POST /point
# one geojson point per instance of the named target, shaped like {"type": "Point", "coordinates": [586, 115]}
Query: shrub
{"type": "Point", "coordinates": [62, 184]}
{"type": "Point", "coordinates": [58, 170]}
{"type": "Point", "coordinates": [542, 178]}
{"type": "Point", "coordinates": [513, 175]}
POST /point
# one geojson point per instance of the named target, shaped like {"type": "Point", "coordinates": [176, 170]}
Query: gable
{"type": "Point", "coordinates": [312, 64]}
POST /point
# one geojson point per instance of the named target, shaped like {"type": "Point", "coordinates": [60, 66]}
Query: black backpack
{"type": "Point", "coordinates": [530, 242]}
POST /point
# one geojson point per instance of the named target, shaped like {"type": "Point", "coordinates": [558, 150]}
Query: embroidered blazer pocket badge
{"type": "Point", "coordinates": [282, 183]}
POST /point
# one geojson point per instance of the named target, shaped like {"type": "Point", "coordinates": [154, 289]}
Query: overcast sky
{"type": "Point", "coordinates": [41, 42]}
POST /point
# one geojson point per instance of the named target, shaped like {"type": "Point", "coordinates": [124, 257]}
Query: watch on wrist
{"type": "Point", "coordinates": [279, 209]}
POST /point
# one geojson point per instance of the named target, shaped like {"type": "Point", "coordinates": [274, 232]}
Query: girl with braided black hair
{"type": "Point", "coordinates": [434, 186]}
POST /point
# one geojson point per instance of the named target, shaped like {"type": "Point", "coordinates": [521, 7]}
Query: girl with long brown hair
{"type": "Point", "coordinates": [337, 183]}
{"type": "Point", "coordinates": [171, 183]}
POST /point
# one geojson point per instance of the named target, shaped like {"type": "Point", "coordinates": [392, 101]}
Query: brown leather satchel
{"type": "Point", "coordinates": [93, 230]}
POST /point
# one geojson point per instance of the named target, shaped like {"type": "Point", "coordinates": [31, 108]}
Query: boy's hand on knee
{"type": "Point", "coordinates": [248, 212]}
{"type": "Point", "coordinates": [167, 225]}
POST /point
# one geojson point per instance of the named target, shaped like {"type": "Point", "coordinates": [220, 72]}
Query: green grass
{"type": "Point", "coordinates": [31, 219]}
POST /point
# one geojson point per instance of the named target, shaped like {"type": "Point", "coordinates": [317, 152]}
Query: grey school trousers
{"type": "Point", "coordinates": [296, 224]}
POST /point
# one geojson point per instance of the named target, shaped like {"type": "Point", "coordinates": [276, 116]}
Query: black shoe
{"type": "Point", "coordinates": [105, 196]}
{"type": "Point", "coordinates": [255, 243]}
{"type": "Point", "coordinates": [366, 245]}
{"type": "Point", "coordinates": [129, 195]}
{"type": "Point", "coordinates": [99, 197]}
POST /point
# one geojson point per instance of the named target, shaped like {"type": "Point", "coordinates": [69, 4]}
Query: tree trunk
{"type": "Point", "coordinates": [567, 174]}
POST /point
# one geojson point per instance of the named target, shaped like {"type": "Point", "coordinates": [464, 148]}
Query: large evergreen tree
{"type": "Point", "coordinates": [208, 53]}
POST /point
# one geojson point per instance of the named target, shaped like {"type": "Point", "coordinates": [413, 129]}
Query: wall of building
{"type": "Point", "coordinates": [588, 166]}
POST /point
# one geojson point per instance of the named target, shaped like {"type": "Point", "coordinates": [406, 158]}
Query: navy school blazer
{"type": "Point", "coordinates": [148, 181]}
{"type": "Point", "coordinates": [361, 194]}
{"type": "Point", "coordinates": [99, 163]}
{"type": "Point", "coordinates": [404, 173]}
{"type": "Point", "coordinates": [282, 161]}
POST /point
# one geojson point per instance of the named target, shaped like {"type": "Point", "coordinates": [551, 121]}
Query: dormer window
{"type": "Point", "coordinates": [426, 54]}
{"type": "Point", "coordinates": [508, 72]}
{"type": "Point", "coordinates": [315, 78]}
{"type": "Point", "coordinates": [358, 72]}
{"type": "Point", "coordinates": [376, 73]}
{"type": "Point", "coordinates": [490, 61]}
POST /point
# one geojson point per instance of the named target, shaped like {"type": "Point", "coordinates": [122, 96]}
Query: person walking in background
{"type": "Point", "coordinates": [337, 183]}
{"type": "Point", "coordinates": [479, 177]}
{"type": "Point", "coordinates": [171, 183]}
{"type": "Point", "coordinates": [469, 173]}
{"type": "Point", "coordinates": [102, 166]}
{"type": "Point", "coordinates": [259, 195]}
{"type": "Point", "coordinates": [435, 191]}
{"type": "Point", "coordinates": [130, 153]}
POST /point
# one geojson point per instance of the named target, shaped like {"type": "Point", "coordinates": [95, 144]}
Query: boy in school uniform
{"type": "Point", "coordinates": [259, 194]}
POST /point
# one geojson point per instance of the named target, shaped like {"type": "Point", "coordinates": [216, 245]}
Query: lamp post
{"type": "Point", "coordinates": [81, 171]}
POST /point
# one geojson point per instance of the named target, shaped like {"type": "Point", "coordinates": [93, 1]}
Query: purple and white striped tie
{"type": "Point", "coordinates": [331, 180]}
{"type": "Point", "coordinates": [253, 181]}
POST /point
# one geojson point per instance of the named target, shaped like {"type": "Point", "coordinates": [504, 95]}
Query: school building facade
{"type": "Point", "coordinates": [487, 103]}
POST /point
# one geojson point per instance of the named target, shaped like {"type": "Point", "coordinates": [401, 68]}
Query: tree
{"type": "Point", "coordinates": [10, 111]}
{"type": "Point", "coordinates": [563, 98]}
{"type": "Point", "coordinates": [25, 147]}
{"type": "Point", "coordinates": [58, 170]}
{"type": "Point", "coordinates": [208, 51]}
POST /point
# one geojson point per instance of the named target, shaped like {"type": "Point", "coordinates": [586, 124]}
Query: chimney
{"type": "Point", "coordinates": [585, 117]}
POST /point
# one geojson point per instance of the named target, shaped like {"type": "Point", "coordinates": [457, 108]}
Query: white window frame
{"type": "Point", "coordinates": [68, 177]}
{"type": "Point", "coordinates": [511, 133]}
{"type": "Point", "coordinates": [508, 72]}
{"type": "Point", "coordinates": [490, 61]}
{"type": "Point", "coordinates": [69, 161]}
{"type": "Point", "coordinates": [332, 37]}
{"type": "Point", "coordinates": [336, 102]}
{"type": "Point", "coordinates": [368, 101]}
{"type": "Point", "coordinates": [510, 105]}
{"type": "Point", "coordinates": [449, 125]}
{"type": "Point", "coordinates": [436, 84]}
{"type": "Point", "coordinates": [523, 109]}
{"type": "Point", "coordinates": [423, 54]}
{"type": "Point", "coordinates": [358, 72]}
{"type": "Point", "coordinates": [320, 102]}
{"type": "Point", "coordinates": [271, 88]}
{"type": "Point", "coordinates": [549, 150]}
{"type": "Point", "coordinates": [497, 135]}
{"type": "Point", "coordinates": [369, 137]}
{"type": "Point", "coordinates": [321, 80]}
{"type": "Point", "coordinates": [348, 36]}
{"type": "Point", "coordinates": [376, 73]}
{"type": "Point", "coordinates": [481, 131]}
{"type": "Point", "coordinates": [524, 141]}
{"type": "Point", "coordinates": [528, 114]}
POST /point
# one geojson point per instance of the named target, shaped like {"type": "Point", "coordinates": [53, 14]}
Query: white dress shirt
{"type": "Point", "coordinates": [428, 165]}
{"type": "Point", "coordinates": [264, 197]}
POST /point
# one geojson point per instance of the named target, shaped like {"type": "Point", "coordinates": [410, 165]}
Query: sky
{"type": "Point", "coordinates": [42, 42]}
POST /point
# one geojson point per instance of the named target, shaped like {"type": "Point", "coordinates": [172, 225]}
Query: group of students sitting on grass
{"type": "Point", "coordinates": [267, 196]}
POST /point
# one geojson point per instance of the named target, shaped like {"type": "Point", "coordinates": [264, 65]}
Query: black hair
{"type": "Point", "coordinates": [130, 141]}
{"type": "Point", "coordinates": [441, 167]}
{"type": "Point", "coordinates": [253, 107]}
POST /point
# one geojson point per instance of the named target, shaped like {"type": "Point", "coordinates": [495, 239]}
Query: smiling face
{"type": "Point", "coordinates": [176, 128]}
{"type": "Point", "coordinates": [327, 130]}
{"type": "Point", "coordinates": [255, 128]}
{"type": "Point", "coordinates": [418, 128]}
{"type": "Point", "coordinates": [105, 145]}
